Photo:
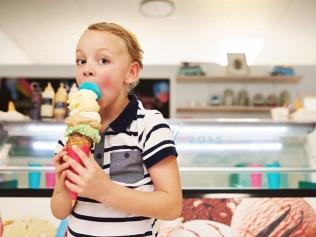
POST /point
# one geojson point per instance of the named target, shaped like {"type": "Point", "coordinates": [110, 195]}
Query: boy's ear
{"type": "Point", "coordinates": [133, 73]}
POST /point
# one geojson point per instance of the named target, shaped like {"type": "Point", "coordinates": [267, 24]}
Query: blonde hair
{"type": "Point", "coordinates": [133, 46]}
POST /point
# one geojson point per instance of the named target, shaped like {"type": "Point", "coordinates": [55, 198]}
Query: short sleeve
{"type": "Point", "coordinates": [157, 140]}
{"type": "Point", "coordinates": [60, 145]}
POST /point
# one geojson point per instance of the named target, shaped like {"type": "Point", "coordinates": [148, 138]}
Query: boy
{"type": "Point", "coordinates": [138, 180]}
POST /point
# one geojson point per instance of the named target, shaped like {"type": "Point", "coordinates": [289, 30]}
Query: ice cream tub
{"type": "Point", "coordinates": [34, 177]}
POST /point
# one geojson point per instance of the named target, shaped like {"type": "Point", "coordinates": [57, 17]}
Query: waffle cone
{"type": "Point", "coordinates": [79, 140]}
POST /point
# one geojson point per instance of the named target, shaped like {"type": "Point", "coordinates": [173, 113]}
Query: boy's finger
{"type": "Point", "coordinates": [84, 158]}
{"type": "Point", "coordinates": [72, 187]}
{"type": "Point", "coordinates": [75, 178]}
{"type": "Point", "coordinates": [62, 167]}
{"type": "Point", "coordinates": [75, 166]}
{"type": "Point", "coordinates": [58, 156]}
{"type": "Point", "coordinates": [63, 175]}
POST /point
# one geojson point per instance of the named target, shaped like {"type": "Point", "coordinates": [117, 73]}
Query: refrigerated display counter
{"type": "Point", "coordinates": [213, 154]}
{"type": "Point", "coordinates": [239, 178]}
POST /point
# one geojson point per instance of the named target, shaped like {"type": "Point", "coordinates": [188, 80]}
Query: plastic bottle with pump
{"type": "Point", "coordinates": [36, 100]}
{"type": "Point", "coordinates": [60, 106]}
{"type": "Point", "coordinates": [48, 96]}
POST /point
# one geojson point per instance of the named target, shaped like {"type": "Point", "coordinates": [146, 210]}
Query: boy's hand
{"type": "Point", "coordinates": [60, 169]}
{"type": "Point", "coordinates": [88, 180]}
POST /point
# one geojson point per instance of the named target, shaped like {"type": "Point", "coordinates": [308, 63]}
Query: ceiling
{"type": "Point", "coordinates": [46, 32]}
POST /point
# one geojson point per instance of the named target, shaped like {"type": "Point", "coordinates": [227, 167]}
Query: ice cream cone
{"type": "Point", "coordinates": [84, 120]}
{"type": "Point", "coordinates": [84, 143]}
{"type": "Point", "coordinates": [79, 140]}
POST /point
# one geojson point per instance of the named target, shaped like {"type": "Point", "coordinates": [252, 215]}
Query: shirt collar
{"type": "Point", "coordinates": [127, 115]}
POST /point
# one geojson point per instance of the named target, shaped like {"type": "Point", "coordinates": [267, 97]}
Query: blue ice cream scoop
{"type": "Point", "coordinates": [92, 87]}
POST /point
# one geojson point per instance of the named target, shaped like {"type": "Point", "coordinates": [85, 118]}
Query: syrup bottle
{"type": "Point", "coordinates": [36, 100]}
{"type": "Point", "coordinates": [48, 96]}
{"type": "Point", "coordinates": [60, 106]}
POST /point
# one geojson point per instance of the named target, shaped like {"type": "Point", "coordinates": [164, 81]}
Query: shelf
{"type": "Point", "coordinates": [222, 108]}
{"type": "Point", "coordinates": [252, 79]}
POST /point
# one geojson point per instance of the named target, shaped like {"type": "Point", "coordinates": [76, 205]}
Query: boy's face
{"type": "Point", "coordinates": [103, 58]}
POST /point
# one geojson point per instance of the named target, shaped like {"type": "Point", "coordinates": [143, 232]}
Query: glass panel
{"type": "Point", "coordinates": [212, 154]}
{"type": "Point", "coordinates": [29, 159]}
{"type": "Point", "coordinates": [227, 154]}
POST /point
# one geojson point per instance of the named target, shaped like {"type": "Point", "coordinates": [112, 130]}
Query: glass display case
{"type": "Point", "coordinates": [243, 154]}
{"type": "Point", "coordinates": [26, 154]}
{"type": "Point", "coordinates": [231, 170]}
{"type": "Point", "coordinates": [213, 154]}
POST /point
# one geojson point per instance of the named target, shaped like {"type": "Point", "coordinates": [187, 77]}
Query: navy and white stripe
{"type": "Point", "coordinates": [133, 143]}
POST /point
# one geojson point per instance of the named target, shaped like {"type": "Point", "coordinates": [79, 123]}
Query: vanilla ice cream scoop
{"type": "Point", "coordinates": [274, 217]}
{"type": "Point", "coordinates": [83, 100]}
{"type": "Point", "coordinates": [30, 227]}
{"type": "Point", "coordinates": [199, 228]}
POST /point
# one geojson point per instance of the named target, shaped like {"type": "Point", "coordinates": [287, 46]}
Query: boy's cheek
{"type": "Point", "coordinates": [104, 83]}
{"type": "Point", "coordinates": [79, 79]}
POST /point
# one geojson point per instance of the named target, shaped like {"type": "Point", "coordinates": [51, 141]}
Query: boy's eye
{"type": "Point", "coordinates": [80, 61]}
{"type": "Point", "coordinates": [103, 61]}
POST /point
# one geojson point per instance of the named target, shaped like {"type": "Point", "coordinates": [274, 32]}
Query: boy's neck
{"type": "Point", "coordinates": [109, 114]}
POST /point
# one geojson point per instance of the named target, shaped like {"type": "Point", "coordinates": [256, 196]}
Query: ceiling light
{"type": "Point", "coordinates": [157, 8]}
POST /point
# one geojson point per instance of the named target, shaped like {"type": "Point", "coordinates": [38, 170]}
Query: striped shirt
{"type": "Point", "coordinates": [132, 143]}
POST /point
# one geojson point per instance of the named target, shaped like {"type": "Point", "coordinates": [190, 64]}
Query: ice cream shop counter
{"type": "Point", "coordinates": [213, 154]}
{"type": "Point", "coordinates": [232, 172]}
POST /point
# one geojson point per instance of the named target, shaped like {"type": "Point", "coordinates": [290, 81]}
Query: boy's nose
{"type": "Point", "coordinates": [88, 73]}
{"type": "Point", "coordinates": [88, 70]}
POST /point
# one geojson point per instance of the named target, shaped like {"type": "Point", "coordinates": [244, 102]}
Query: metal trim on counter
{"type": "Point", "coordinates": [246, 169]}
{"type": "Point", "coordinates": [26, 192]}
{"type": "Point", "coordinates": [26, 168]}
{"type": "Point", "coordinates": [183, 169]}
{"type": "Point", "coordinates": [29, 128]}
{"type": "Point", "coordinates": [187, 193]}
{"type": "Point", "coordinates": [242, 193]}
{"type": "Point", "coordinates": [45, 128]}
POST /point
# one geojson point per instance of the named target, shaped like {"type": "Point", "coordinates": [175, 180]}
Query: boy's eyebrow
{"type": "Point", "coordinates": [100, 49]}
